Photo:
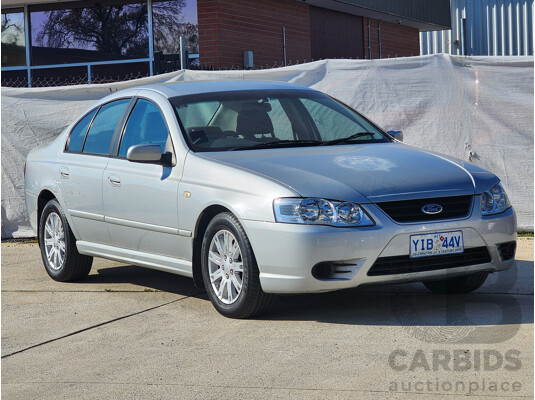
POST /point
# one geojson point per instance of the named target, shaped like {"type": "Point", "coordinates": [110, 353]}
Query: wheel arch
{"type": "Point", "coordinates": [44, 197]}
{"type": "Point", "coordinates": [200, 228]}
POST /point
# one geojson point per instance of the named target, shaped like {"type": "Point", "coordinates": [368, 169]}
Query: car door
{"type": "Point", "coordinates": [140, 199]}
{"type": "Point", "coordinates": [80, 167]}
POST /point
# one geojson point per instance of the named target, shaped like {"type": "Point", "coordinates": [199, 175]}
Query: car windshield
{"type": "Point", "coordinates": [259, 119]}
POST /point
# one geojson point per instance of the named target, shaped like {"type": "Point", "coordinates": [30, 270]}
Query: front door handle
{"type": "Point", "coordinates": [64, 172]}
{"type": "Point", "coordinates": [114, 180]}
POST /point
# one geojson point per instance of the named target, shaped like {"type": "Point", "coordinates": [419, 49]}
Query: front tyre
{"type": "Point", "coordinates": [458, 285]}
{"type": "Point", "coordinates": [229, 269]}
{"type": "Point", "coordinates": [58, 246]}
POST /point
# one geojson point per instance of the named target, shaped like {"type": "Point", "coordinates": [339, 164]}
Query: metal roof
{"type": "Point", "coordinates": [172, 89]}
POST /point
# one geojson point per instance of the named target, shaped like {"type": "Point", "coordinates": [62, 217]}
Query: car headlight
{"type": "Point", "coordinates": [494, 200]}
{"type": "Point", "coordinates": [320, 212]}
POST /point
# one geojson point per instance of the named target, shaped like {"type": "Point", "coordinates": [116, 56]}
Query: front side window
{"type": "Point", "coordinates": [76, 140]}
{"type": "Point", "coordinates": [146, 125]}
{"type": "Point", "coordinates": [244, 120]}
{"type": "Point", "coordinates": [100, 134]}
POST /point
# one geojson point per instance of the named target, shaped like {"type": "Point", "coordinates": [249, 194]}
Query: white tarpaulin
{"type": "Point", "coordinates": [474, 108]}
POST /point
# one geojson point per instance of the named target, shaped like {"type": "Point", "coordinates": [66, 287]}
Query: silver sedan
{"type": "Point", "coordinates": [257, 188]}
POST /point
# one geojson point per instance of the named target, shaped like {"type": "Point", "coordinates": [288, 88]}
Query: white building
{"type": "Point", "coordinates": [484, 27]}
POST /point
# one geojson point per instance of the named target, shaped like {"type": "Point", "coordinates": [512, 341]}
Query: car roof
{"type": "Point", "coordinates": [173, 89]}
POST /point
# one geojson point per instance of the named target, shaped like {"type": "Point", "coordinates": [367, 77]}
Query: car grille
{"type": "Point", "coordinates": [405, 264]}
{"type": "Point", "coordinates": [411, 210]}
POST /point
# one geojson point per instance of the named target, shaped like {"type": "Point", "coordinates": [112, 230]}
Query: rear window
{"type": "Point", "coordinates": [103, 127]}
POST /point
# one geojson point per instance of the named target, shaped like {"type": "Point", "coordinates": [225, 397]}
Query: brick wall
{"type": "Point", "coordinates": [396, 40]}
{"type": "Point", "coordinates": [228, 27]}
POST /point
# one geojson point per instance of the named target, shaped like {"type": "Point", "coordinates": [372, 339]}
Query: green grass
{"type": "Point", "coordinates": [525, 234]}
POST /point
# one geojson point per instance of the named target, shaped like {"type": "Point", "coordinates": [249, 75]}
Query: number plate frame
{"type": "Point", "coordinates": [455, 238]}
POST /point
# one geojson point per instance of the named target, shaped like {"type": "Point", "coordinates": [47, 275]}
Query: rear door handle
{"type": "Point", "coordinates": [64, 172]}
{"type": "Point", "coordinates": [114, 180]}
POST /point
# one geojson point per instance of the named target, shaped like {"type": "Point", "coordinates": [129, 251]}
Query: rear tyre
{"type": "Point", "coordinates": [58, 246]}
{"type": "Point", "coordinates": [458, 285]}
{"type": "Point", "coordinates": [229, 270]}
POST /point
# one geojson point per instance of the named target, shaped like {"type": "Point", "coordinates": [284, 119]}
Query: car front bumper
{"type": "Point", "coordinates": [286, 253]}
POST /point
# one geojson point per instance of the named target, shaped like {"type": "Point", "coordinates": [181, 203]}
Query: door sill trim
{"type": "Point", "coordinates": [143, 259]}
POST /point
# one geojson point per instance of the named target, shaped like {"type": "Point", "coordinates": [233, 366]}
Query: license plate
{"type": "Point", "coordinates": [436, 244]}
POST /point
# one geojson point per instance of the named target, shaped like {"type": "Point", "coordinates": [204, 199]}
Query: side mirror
{"type": "Point", "coordinates": [144, 153]}
{"type": "Point", "coordinates": [398, 135]}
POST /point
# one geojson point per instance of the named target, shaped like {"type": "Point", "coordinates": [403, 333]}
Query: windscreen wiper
{"type": "Point", "coordinates": [347, 139]}
{"type": "Point", "coordinates": [277, 143]}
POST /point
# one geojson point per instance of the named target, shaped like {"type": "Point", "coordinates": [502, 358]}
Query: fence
{"type": "Point", "coordinates": [92, 72]}
{"type": "Point", "coordinates": [50, 81]}
{"type": "Point", "coordinates": [478, 109]}
{"type": "Point", "coordinates": [163, 64]}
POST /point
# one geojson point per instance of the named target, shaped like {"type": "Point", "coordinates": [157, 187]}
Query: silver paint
{"type": "Point", "coordinates": [138, 213]}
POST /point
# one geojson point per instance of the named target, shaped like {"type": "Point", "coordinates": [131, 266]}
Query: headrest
{"type": "Point", "coordinates": [254, 119]}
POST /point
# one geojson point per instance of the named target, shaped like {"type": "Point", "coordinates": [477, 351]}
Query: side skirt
{"type": "Point", "coordinates": [154, 261]}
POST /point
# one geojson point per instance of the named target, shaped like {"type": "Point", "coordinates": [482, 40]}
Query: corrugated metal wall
{"type": "Point", "coordinates": [484, 27]}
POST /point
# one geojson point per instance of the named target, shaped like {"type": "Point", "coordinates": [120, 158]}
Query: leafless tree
{"type": "Point", "coordinates": [118, 29]}
{"type": "Point", "coordinates": [12, 31]}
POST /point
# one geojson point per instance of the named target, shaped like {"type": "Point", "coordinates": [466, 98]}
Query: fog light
{"type": "Point", "coordinates": [323, 271]}
{"type": "Point", "coordinates": [507, 250]}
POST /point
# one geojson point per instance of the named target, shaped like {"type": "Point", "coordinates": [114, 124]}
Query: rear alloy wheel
{"type": "Point", "coordinates": [458, 285]}
{"type": "Point", "coordinates": [54, 238]}
{"type": "Point", "coordinates": [229, 269]}
{"type": "Point", "coordinates": [58, 246]}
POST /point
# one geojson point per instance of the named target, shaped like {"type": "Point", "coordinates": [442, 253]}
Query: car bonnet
{"type": "Point", "coordinates": [368, 172]}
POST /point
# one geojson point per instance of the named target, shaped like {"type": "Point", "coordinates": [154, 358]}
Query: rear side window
{"type": "Point", "coordinates": [146, 125]}
{"type": "Point", "coordinates": [76, 140]}
{"type": "Point", "coordinates": [101, 132]}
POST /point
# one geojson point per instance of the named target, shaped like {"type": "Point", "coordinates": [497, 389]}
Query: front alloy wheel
{"type": "Point", "coordinates": [225, 266]}
{"type": "Point", "coordinates": [229, 269]}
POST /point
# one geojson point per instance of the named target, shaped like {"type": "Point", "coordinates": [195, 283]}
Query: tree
{"type": "Point", "coordinates": [114, 30]}
{"type": "Point", "coordinates": [169, 25]}
{"type": "Point", "coordinates": [13, 29]}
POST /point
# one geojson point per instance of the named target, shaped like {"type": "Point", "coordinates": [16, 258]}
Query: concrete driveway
{"type": "Point", "coordinates": [133, 333]}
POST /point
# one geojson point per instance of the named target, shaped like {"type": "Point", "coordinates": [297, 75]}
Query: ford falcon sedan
{"type": "Point", "coordinates": [257, 188]}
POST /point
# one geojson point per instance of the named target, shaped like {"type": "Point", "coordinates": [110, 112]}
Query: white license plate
{"type": "Point", "coordinates": [436, 244]}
